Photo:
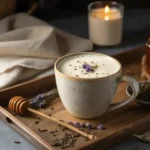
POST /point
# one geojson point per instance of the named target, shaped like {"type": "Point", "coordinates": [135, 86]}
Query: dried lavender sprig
{"type": "Point", "coordinates": [42, 100]}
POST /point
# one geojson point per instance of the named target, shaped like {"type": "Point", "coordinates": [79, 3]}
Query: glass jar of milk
{"type": "Point", "coordinates": [105, 23]}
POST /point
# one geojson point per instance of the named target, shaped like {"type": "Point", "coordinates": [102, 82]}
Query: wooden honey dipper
{"type": "Point", "coordinates": [20, 106]}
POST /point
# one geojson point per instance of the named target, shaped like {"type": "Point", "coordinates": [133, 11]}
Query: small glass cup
{"type": "Point", "coordinates": [105, 22]}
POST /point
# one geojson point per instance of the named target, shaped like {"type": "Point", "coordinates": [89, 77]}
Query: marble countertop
{"type": "Point", "coordinates": [135, 34]}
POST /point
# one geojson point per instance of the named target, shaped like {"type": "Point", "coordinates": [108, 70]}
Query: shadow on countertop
{"type": "Point", "coordinates": [132, 144]}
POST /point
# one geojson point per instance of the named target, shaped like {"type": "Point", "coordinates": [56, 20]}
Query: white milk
{"type": "Point", "coordinates": [105, 29]}
{"type": "Point", "coordinates": [103, 65]}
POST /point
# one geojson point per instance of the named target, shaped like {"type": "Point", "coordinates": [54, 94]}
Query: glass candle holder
{"type": "Point", "coordinates": [105, 22]}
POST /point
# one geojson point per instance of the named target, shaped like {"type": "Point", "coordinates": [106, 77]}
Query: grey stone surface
{"type": "Point", "coordinates": [136, 32]}
{"type": "Point", "coordinates": [7, 138]}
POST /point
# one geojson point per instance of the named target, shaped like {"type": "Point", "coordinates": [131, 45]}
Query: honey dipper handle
{"type": "Point", "coordinates": [89, 136]}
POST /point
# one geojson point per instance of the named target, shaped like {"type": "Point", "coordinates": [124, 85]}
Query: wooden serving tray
{"type": "Point", "coordinates": [132, 117]}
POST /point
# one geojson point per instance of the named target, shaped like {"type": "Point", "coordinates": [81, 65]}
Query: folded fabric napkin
{"type": "Point", "coordinates": [29, 46]}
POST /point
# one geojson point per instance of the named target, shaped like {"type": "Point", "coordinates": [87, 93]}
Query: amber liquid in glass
{"type": "Point", "coordinates": [148, 55]}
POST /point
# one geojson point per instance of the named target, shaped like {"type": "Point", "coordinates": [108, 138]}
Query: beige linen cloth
{"type": "Point", "coordinates": [29, 46]}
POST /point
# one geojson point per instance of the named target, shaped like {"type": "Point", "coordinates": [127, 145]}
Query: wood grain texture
{"type": "Point", "coordinates": [132, 117]}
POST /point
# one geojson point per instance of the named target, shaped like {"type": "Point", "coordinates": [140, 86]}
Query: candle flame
{"type": "Point", "coordinates": [106, 18]}
{"type": "Point", "coordinates": [106, 9]}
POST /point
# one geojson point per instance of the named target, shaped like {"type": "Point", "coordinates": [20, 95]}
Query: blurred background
{"type": "Point", "coordinates": [62, 8]}
{"type": "Point", "coordinates": [71, 16]}
{"type": "Point", "coordinates": [67, 8]}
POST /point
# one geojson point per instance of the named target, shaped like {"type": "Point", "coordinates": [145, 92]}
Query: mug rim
{"type": "Point", "coordinates": [81, 78]}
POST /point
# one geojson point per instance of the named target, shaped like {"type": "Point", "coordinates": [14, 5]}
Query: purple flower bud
{"type": "Point", "coordinates": [35, 100]}
{"type": "Point", "coordinates": [42, 105]}
{"type": "Point", "coordinates": [100, 126]}
{"type": "Point", "coordinates": [87, 125]}
{"type": "Point", "coordinates": [69, 122]}
{"type": "Point", "coordinates": [87, 67]}
{"type": "Point", "coordinates": [76, 124]}
{"type": "Point", "coordinates": [82, 125]}
{"type": "Point", "coordinates": [84, 66]}
{"type": "Point", "coordinates": [39, 96]}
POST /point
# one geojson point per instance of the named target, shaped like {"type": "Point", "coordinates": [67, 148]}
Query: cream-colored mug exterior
{"type": "Point", "coordinates": [92, 97]}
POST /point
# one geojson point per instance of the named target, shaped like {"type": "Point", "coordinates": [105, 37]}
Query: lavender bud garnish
{"type": "Point", "coordinates": [84, 66]}
{"type": "Point", "coordinates": [87, 67]}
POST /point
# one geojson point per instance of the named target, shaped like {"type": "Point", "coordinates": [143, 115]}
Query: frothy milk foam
{"type": "Point", "coordinates": [102, 65]}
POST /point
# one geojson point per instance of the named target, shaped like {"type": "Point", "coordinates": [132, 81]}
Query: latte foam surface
{"type": "Point", "coordinates": [88, 65]}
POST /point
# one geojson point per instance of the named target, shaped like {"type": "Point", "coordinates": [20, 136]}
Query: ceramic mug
{"type": "Point", "coordinates": [88, 98]}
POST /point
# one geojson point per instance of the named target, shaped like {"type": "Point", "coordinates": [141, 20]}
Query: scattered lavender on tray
{"type": "Point", "coordinates": [86, 125]}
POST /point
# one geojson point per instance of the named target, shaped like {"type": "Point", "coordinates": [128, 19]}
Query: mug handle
{"type": "Point", "coordinates": [135, 88]}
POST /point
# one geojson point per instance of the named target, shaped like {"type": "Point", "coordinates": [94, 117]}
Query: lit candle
{"type": "Point", "coordinates": [105, 25]}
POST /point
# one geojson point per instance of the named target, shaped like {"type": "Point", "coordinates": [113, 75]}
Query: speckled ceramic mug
{"type": "Point", "coordinates": [89, 98]}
